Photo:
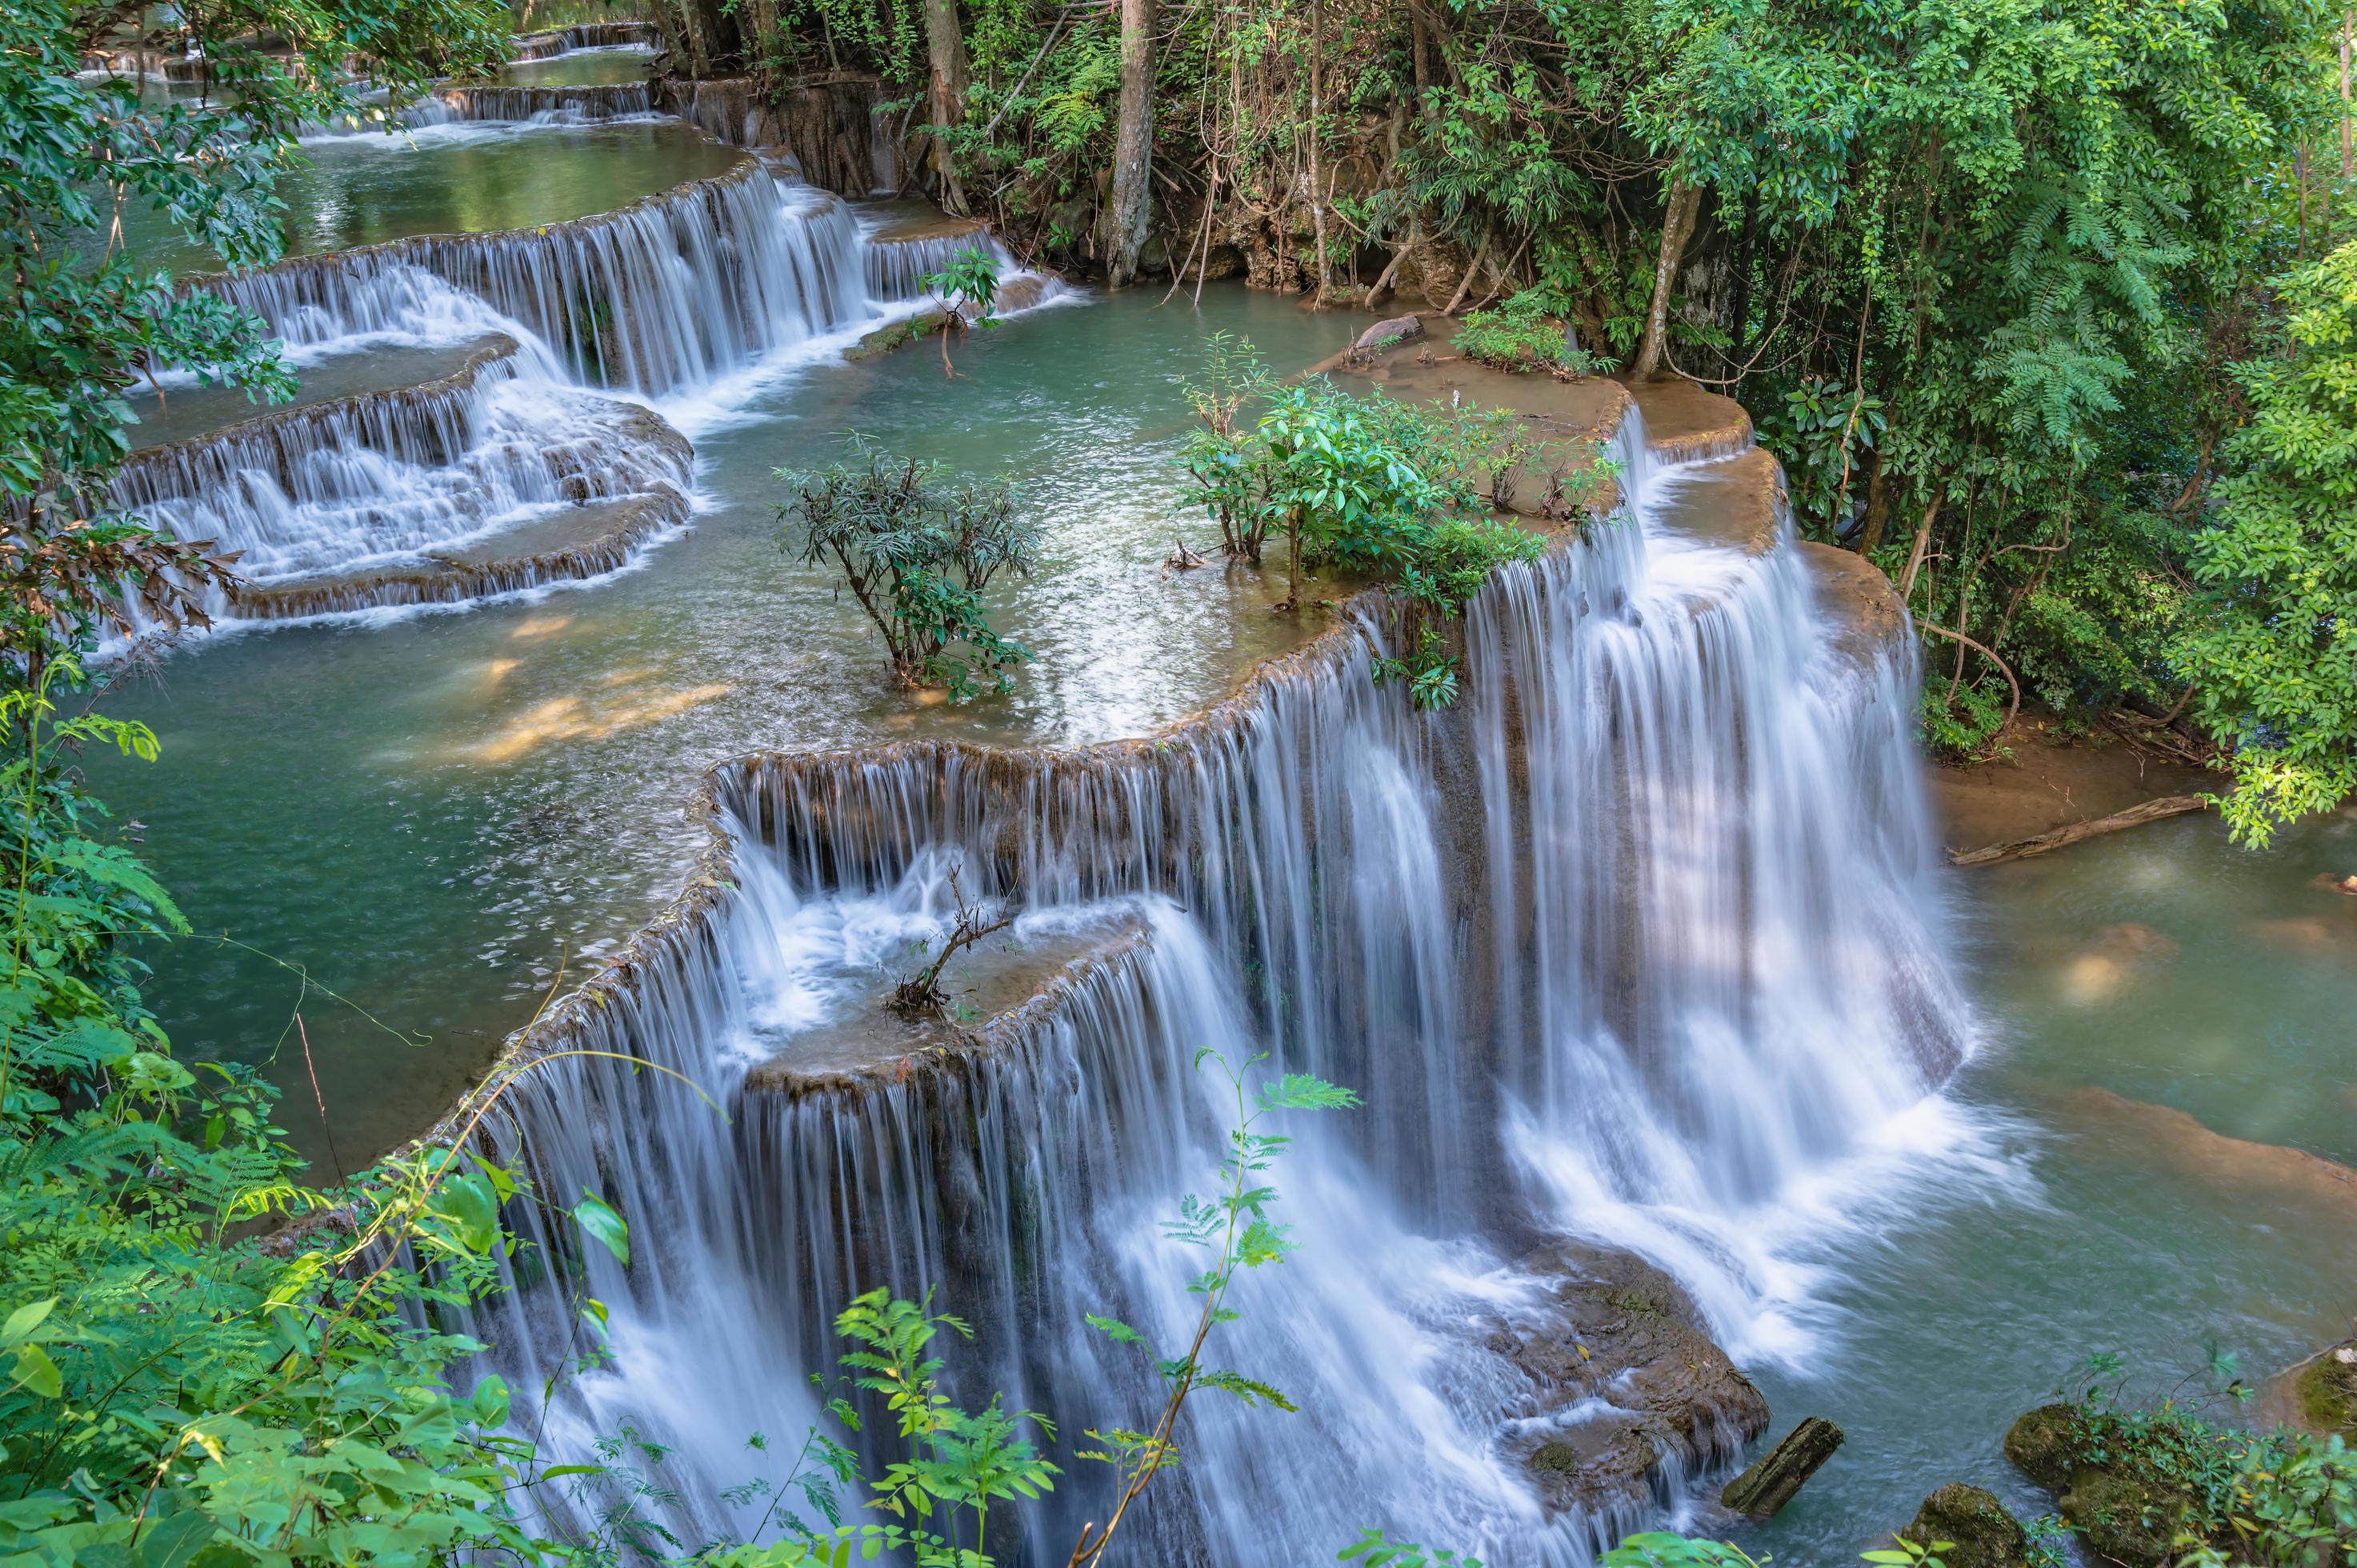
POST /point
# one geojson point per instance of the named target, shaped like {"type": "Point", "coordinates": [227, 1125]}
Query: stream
{"type": "Point", "coordinates": [1608, 970]}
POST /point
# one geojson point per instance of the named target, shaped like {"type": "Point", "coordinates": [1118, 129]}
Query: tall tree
{"type": "Point", "coordinates": [2274, 648]}
{"type": "Point", "coordinates": [1126, 213]}
{"type": "Point", "coordinates": [946, 52]}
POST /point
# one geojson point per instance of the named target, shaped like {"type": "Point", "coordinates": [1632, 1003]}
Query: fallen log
{"type": "Point", "coordinates": [2071, 833]}
{"type": "Point", "coordinates": [1776, 1475]}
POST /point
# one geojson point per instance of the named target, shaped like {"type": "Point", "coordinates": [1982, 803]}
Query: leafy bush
{"type": "Point", "coordinates": [916, 546]}
{"type": "Point", "coordinates": [1526, 333]}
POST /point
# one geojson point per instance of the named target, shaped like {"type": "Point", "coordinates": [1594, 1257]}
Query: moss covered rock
{"type": "Point", "coordinates": [1984, 1535]}
{"type": "Point", "coordinates": [2327, 1391]}
{"type": "Point", "coordinates": [2124, 1513]}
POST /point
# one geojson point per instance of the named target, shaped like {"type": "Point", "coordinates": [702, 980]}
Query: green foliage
{"type": "Point", "coordinates": [1665, 1549]}
{"type": "Point", "coordinates": [957, 1458]}
{"type": "Point", "coordinates": [1371, 485]}
{"type": "Point", "coordinates": [176, 1384]}
{"type": "Point", "coordinates": [84, 319]}
{"type": "Point", "coordinates": [1526, 333]}
{"type": "Point", "coordinates": [2273, 643]}
{"type": "Point", "coordinates": [2279, 1499]}
{"type": "Point", "coordinates": [967, 292]}
{"type": "Point", "coordinates": [916, 546]}
{"type": "Point", "coordinates": [1378, 1551]}
{"type": "Point", "coordinates": [1235, 1229]}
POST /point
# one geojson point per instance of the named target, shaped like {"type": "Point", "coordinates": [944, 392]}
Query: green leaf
{"type": "Point", "coordinates": [595, 1216]}
{"type": "Point", "coordinates": [25, 1319]}
{"type": "Point", "coordinates": [36, 1371]}
{"type": "Point", "coordinates": [491, 1402]}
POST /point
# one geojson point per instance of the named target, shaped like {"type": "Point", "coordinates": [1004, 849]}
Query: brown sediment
{"type": "Point", "coordinates": [877, 1045]}
{"type": "Point", "coordinates": [2182, 1142]}
{"type": "Point", "coordinates": [2044, 780]}
{"type": "Point", "coordinates": [1685, 424]}
{"type": "Point", "coordinates": [1736, 503]}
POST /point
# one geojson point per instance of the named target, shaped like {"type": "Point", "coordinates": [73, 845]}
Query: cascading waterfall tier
{"type": "Point", "coordinates": [573, 105]}
{"type": "Point", "coordinates": [669, 291]}
{"type": "Point", "coordinates": [504, 474]}
{"type": "Point", "coordinates": [1631, 941]}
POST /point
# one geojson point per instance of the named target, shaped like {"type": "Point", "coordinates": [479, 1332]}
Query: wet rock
{"type": "Point", "coordinates": [1777, 1475]}
{"type": "Point", "coordinates": [2329, 883]}
{"type": "Point", "coordinates": [2326, 1390]}
{"type": "Point", "coordinates": [1621, 1375]}
{"type": "Point", "coordinates": [2042, 1443]}
{"type": "Point", "coordinates": [1398, 329]}
{"type": "Point", "coordinates": [896, 334]}
{"type": "Point", "coordinates": [1984, 1535]}
{"type": "Point", "coordinates": [2122, 1517]}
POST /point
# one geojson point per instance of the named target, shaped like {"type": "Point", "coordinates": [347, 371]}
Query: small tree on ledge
{"type": "Point", "coordinates": [916, 546]}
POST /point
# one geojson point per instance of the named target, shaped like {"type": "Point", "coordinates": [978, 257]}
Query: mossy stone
{"type": "Point", "coordinates": [2327, 1389]}
{"type": "Point", "coordinates": [2043, 1445]}
{"type": "Point", "coordinates": [1984, 1534]}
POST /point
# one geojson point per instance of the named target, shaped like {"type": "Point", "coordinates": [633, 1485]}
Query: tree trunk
{"type": "Point", "coordinates": [1776, 1475]}
{"type": "Point", "coordinates": [1741, 332]}
{"type": "Point", "coordinates": [2348, 128]}
{"type": "Point", "coordinates": [1316, 189]}
{"type": "Point", "coordinates": [1133, 146]}
{"type": "Point", "coordinates": [946, 47]}
{"type": "Point", "coordinates": [1677, 225]}
{"type": "Point", "coordinates": [1878, 505]}
{"type": "Point", "coordinates": [1915, 555]}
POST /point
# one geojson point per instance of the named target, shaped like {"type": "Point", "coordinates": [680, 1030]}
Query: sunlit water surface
{"type": "Point", "coordinates": [429, 812]}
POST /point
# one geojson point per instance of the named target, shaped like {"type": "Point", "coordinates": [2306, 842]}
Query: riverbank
{"type": "Point", "coordinates": [2042, 779]}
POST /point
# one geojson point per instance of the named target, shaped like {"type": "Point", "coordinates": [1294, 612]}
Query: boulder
{"type": "Point", "coordinates": [1621, 1375]}
{"type": "Point", "coordinates": [1982, 1534]}
{"type": "Point", "coordinates": [1383, 334]}
{"type": "Point", "coordinates": [1778, 1474]}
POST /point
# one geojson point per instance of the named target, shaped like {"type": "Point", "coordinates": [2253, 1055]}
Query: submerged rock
{"type": "Point", "coordinates": [1622, 1377]}
{"type": "Point", "coordinates": [1777, 1475]}
{"type": "Point", "coordinates": [1982, 1534]}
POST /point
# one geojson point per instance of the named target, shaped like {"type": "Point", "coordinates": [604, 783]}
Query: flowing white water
{"type": "Point", "coordinates": [1636, 944]}
{"type": "Point", "coordinates": [681, 297]}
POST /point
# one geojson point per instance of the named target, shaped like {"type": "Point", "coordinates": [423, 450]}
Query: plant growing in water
{"type": "Point", "coordinates": [967, 292]}
{"type": "Point", "coordinates": [916, 546]}
{"type": "Point", "coordinates": [921, 993]}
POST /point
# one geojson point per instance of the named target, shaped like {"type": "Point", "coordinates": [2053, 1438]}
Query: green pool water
{"type": "Point", "coordinates": [429, 815]}
{"type": "Point", "coordinates": [370, 187]}
{"type": "Point", "coordinates": [2149, 995]}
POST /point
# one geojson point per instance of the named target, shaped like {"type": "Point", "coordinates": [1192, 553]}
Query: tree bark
{"type": "Point", "coordinates": [946, 46]}
{"type": "Point", "coordinates": [1915, 555]}
{"type": "Point", "coordinates": [1742, 325]}
{"type": "Point", "coordinates": [2348, 127]}
{"type": "Point", "coordinates": [1677, 225]}
{"type": "Point", "coordinates": [1776, 1475]}
{"type": "Point", "coordinates": [1878, 505]}
{"type": "Point", "coordinates": [2073, 832]}
{"type": "Point", "coordinates": [1133, 146]}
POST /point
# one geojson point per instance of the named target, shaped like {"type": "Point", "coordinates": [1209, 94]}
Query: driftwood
{"type": "Point", "coordinates": [2071, 833]}
{"type": "Point", "coordinates": [1776, 1475]}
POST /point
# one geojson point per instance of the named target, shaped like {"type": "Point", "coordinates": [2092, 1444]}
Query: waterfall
{"type": "Point", "coordinates": [669, 291]}
{"type": "Point", "coordinates": [1631, 943]}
